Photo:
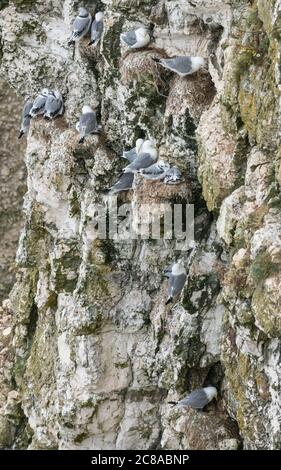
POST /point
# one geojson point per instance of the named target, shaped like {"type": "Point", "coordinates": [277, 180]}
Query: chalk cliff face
{"type": "Point", "coordinates": [91, 355]}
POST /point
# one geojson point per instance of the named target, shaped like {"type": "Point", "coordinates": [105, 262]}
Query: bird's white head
{"type": "Point", "coordinates": [99, 16]}
{"type": "Point", "coordinates": [178, 268]}
{"type": "Point", "coordinates": [45, 92]}
{"type": "Point", "coordinates": [87, 109]}
{"type": "Point", "coordinates": [211, 392]}
{"type": "Point", "coordinates": [139, 144]}
{"type": "Point", "coordinates": [82, 12]}
{"type": "Point", "coordinates": [198, 62]}
{"type": "Point", "coordinates": [57, 94]}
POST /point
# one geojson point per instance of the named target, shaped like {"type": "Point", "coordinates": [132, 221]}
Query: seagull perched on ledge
{"type": "Point", "coordinates": [81, 26]}
{"type": "Point", "coordinates": [39, 103]}
{"type": "Point", "coordinates": [177, 280]}
{"type": "Point", "coordinates": [147, 157]}
{"type": "Point", "coordinates": [96, 29]}
{"type": "Point", "coordinates": [197, 399]}
{"type": "Point", "coordinates": [137, 39]}
{"type": "Point", "coordinates": [182, 65]}
{"type": "Point", "coordinates": [54, 105]}
{"type": "Point", "coordinates": [87, 123]}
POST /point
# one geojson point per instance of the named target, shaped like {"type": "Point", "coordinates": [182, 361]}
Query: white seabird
{"type": "Point", "coordinates": [182, 65]}
{"type": "Point", "coordinates": [25, 120]}
{"type": "Point", "coordinates": [137, 39]}
{"type": "Point", "coordinates": [87, 123]}
{"type": "Point", "coordinates": [197, 399]}
{"type": "Point", "coordinates": [177, 280]}
{"type": "Point", "coordinates": [132, 154]}
{"type": "Point", "coordinates": [173, 176]}
{"type": "Point", "coordinates": [80, 26]}
{"type": "Point", "coordinates": [96, 29]}
{"type": "Point", "coordinates": [147, 157]}
{"type": "Point", "coordinates": [54, 105]}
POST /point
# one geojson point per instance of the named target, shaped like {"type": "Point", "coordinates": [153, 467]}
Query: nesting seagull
{"type": "Point", "coordinates": [87, 123]}
{"type": "Point", "coordinates": [177, 280]}
{"type": "Point", "coordinates": [137, 39]}
{"type": "Point", "coordinates": [197, 399]}
{"type": "Point", "coordinates": [96, 29]}
{"type": "Point", "coordinates": [39, 103]}
{"type": "Point", "coordinates": [81, 26]}
{"type": "Point", "coordinates": [147, 157]}
{"type": "Point", "coordinates": [124, 183]}
{"type": "Point", "coordinates": [54, 105]}
{"type": "Point", "coordinates": [25, 121]}
{"type": "Point", "coordinates": [132, 154]}
{"type": "Point", "coordinates": [182, 65]}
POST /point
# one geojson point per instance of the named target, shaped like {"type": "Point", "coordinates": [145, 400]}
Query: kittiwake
{"type": "Point", "coordinates": [39, 103]}
{"type": "Point", "coordinates": [132, 154]}
{"type": "Point", "coordinates": [182, 65]}
{"type": "Point", "coordinates": [124, 183]}
{"type": "Point", "coordinates": [25, 120]}
{"type": "Point", "coordinates": [54, 105]}
{"type": "Point", "coordinates": [87, 123]}
{"type": "Point", "coordinates": [147, 157]}
{"type": "Point", "coordinates": [80, 26]}
{"type": "Point", "coordinates": [197, 399]}
{"type": "Point", "coordinates": [177, 280]}
{"type": "Point", "coordinates": [96, 29]}
{"type": "Point", "coordinates": [137, 39]}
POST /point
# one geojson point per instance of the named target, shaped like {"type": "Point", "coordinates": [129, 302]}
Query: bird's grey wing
{"type": "Point", "coordinates": [130, 38]}
{"type": "Point", "coordinates": [96, 30]}
{"type": "Point", "coordinates": [176, 284]}
{"type": "Point", "coordinates": [142, 161]}
{"type": "Point", "coordinates": [52, 105]}
{"type": "Point", "coordinates": [80, 25]}
{"type": "Point", "coordinates": [39, 103]}
{"type": "Point", "coordinates": [130, 155]}
{"type": "Point", "coordinates": [179, 64]}
{"type": "Point", "coordinates": [196, 399]}
{"type": "Point", "coordinates": [125, 182]}
{"type": "Point", "coordinates": [154, 169]}
{"type": "Point", "coordinates": [26, 109]}
{"type": "Point", "coordinates": [88, 123]}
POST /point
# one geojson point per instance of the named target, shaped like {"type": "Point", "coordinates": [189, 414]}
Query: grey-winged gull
{"type": "Point", "coordinates": [25, 120]}
{"type": "Point", "coordinates": [137, 39]}
{"type": "Point", "coordinates": [182, 65]}
{"type": "Point", "coordinates": [147, 157]}
{"type": "Point", "coordinates": [80, 26]}
{"type": "Point", "coordinates": [132, 154]}
{"type": "Point", "coordinates": [156, 171]}
{"type": "Point", "coordinates": [39, 103]}
{"type": "Point", "coordinates": [54, 105]}
{"type": "Point", "coordinates": [87, 123]}
{"type": "Point", "coordinates": [96, 29]}
{"type": "Point", "coordinates": [197, 399]}
{"type": "Point", "coordinates": [173, 176]}
{"type": "Point", "coordinates": [177, 280]}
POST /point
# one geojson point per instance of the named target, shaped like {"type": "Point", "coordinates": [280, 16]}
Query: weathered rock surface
{"type": "Point", "coordinates": [95, 354]}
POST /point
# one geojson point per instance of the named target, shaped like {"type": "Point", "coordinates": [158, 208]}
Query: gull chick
{"type": "Point", "coordinates": [177, 280]}
{"type": "Point", "coordinates": [182, 65]}
{"type": "Point", "coordinates": [25, 120]}
{"type": "Point", "coordinates": [197, 399]}
{"type": "Point", "coordinates": [81, 26]}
